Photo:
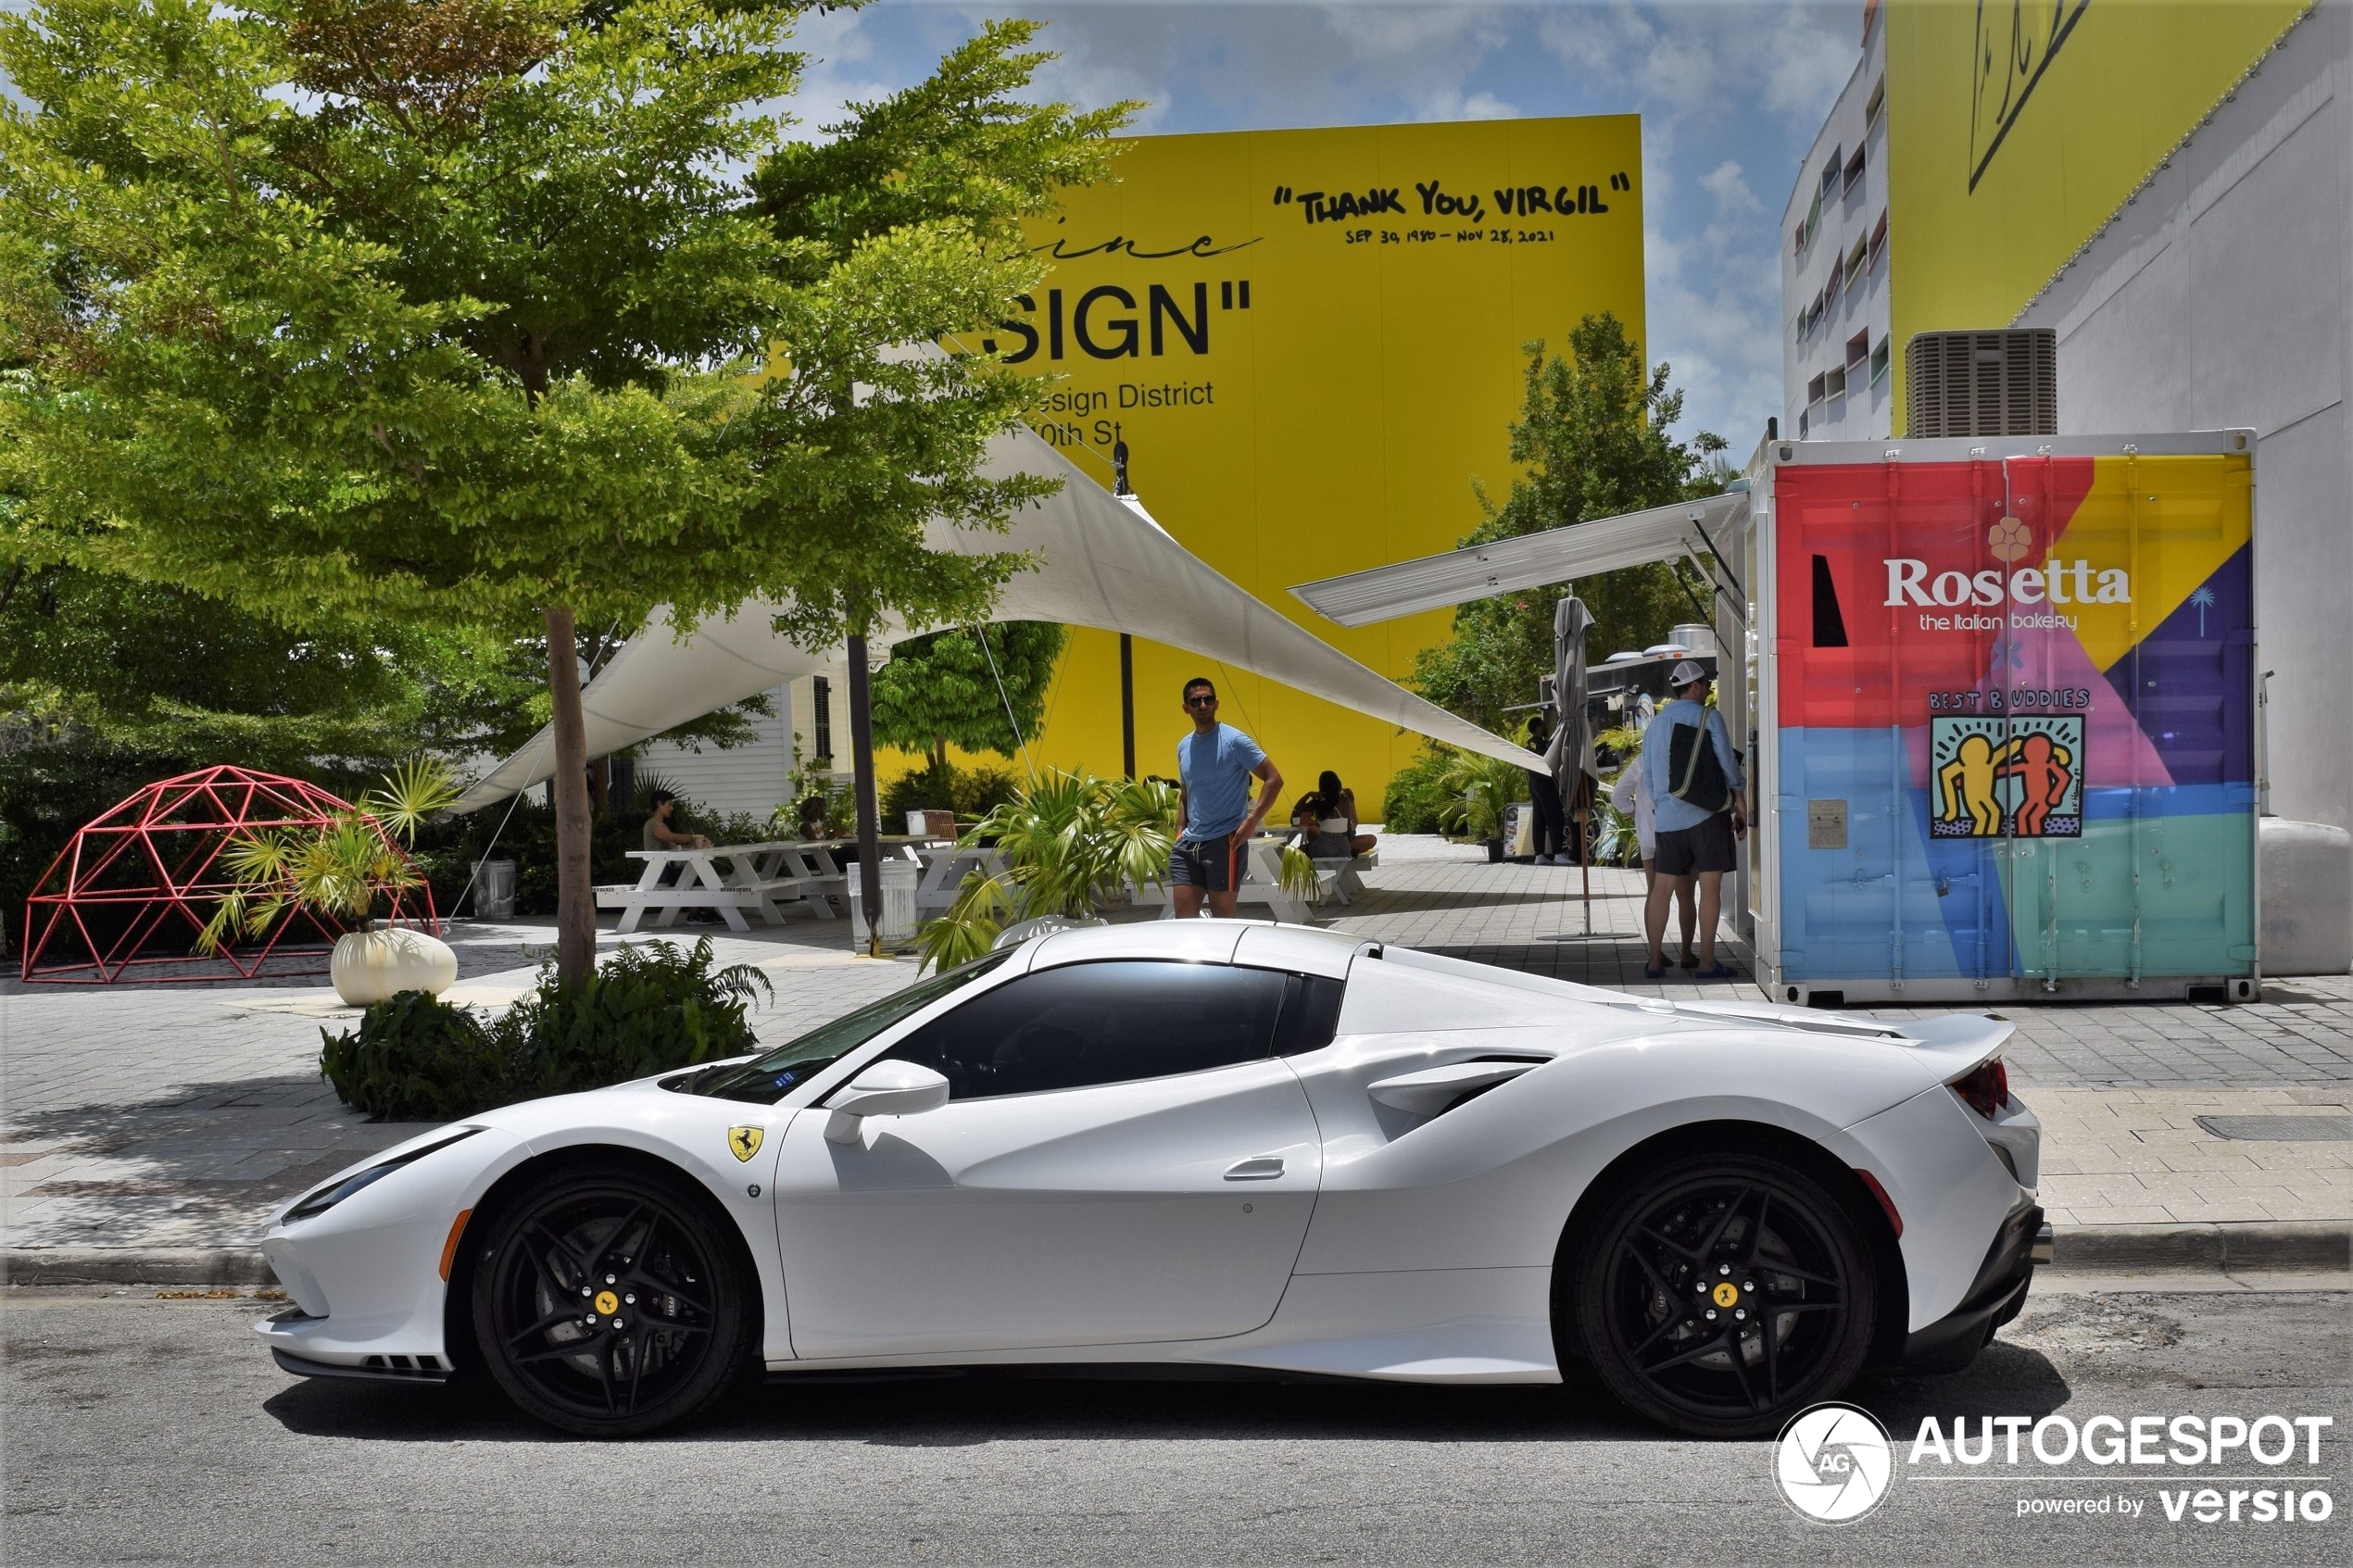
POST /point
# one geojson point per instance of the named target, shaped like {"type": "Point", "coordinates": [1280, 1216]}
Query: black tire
{"type": "Point", "coordinates": [1720, 1294]}
{"type": "Point", "coordinates": [609, 1303]}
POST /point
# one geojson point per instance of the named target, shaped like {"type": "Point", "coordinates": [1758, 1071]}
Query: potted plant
{"type": "Point", "coordinates": [338, 872]}
{"type": "Point", "coordinates": [1480, 787]}
{"type": "Point", "coordinates": [1072, 842]}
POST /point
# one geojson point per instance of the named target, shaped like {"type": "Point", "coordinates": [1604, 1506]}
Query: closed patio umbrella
{"type": "Point", "coordinates": [1570, 756]}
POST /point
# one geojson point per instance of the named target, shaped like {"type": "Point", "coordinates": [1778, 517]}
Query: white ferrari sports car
{"type": "Point", "coordinates": [1219, 1143]}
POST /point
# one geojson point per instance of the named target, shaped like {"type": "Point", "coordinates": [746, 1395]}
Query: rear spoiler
{"type": "Point", "coordinates": [1960, 1042]}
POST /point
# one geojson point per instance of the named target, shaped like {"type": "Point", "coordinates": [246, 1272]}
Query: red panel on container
{"type": "Point", "coordinates": [1925, 535]}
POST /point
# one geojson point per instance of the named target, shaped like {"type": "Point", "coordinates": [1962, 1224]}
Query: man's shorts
{"type": "Point", "coordinates": [1213, 867]}
{"type": "Point", "coordinates": [1707, 847]}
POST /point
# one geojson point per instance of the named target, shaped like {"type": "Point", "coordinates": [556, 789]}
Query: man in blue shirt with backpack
{"type": "Point", "coordinates": [1693, 777]}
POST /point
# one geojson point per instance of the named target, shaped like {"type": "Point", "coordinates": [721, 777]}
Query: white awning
{"type": "Point", "coordinates": [1558, 555]}
{"type": "Point", "coordinates": [1104, 563]}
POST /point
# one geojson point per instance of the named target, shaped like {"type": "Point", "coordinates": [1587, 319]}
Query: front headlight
{"type": "Point", "coordinates": [327, 1197]}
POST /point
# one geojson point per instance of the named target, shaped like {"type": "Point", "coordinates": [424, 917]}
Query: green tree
{"type": "Point", "coordinates": [427, 312]}
{"type": "Point", "coordinates": [1593, 441]}
{"type": "Point", "coordinates": [938, 690]}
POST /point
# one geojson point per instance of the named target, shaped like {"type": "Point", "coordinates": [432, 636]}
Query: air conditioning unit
{"type": "Point", "coordinates": [1982, 383]}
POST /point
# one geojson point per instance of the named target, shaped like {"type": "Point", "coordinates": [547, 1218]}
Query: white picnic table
{"type": "Point", "coordinates": [766, 878]}
{"type": "Point", "coordinates": [945, 868]}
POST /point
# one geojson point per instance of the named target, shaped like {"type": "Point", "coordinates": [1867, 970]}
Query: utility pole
{"type": "Point", "coordinates": [1127, 703]}
{"type": "Point", "coordinates": [1127, 644]}
{"type": "Point", "coordinates": [861, 759]}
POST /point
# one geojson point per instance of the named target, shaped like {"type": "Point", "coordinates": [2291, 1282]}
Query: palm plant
{"type": "Point", "coordinates": [337, 870]}
{"type": "Point", "coordinates": [1481, 786]}
{"type": "Point", "coordinates": [1299, 877]}
{"type": "Point", "coordinates": [1071, 841]}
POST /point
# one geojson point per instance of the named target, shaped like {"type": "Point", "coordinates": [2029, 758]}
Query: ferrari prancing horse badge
{"type": "Point", "coordinates": [744, 1142]}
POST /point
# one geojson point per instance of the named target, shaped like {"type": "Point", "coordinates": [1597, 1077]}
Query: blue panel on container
{"type": "Point", "coordinates": [1891, 901]}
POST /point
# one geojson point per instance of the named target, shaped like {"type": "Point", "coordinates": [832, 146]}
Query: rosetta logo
{"type": "Point", "coordinates": [1833, 1463]}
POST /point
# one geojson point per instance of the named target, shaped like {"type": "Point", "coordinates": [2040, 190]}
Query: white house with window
{"type": "Point", "coordinates": [1835, 351]}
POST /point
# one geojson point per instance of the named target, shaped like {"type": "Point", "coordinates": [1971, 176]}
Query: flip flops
{"type": "Point", "coordinates": [1650, 974]}
{"type": "Point", "coordinates": [1719, 972]}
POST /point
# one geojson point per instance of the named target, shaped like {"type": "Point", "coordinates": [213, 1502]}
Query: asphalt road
{"type": "Point", "coordinates": [139, 1429]}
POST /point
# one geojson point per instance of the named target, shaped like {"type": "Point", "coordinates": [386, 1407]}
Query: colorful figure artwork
{"type": "Point", "coordinates": [2017, 777]}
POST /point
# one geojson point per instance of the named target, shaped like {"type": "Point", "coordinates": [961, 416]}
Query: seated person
{"type": "Point", "coordinates": [660, 835]}
{"type": "Point", "coordinates": [812, 820]}
{"type": "Point", "coordinates": [1318, 829]}
{"type": "Point", "coordinates": [1339, 839]}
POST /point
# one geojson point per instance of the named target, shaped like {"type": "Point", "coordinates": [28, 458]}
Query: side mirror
{"type": "Point", "coordinates": [888, 1088]}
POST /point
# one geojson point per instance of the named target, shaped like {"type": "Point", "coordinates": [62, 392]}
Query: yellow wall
{"type": "Point", "coordinates": [1336, 422]}
{"type": "Point", "coordinates": [2053, 137]}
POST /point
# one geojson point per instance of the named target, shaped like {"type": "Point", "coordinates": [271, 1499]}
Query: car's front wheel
{"type": "Point", "coordinates": [608, 1304]}
{"type": "Point", "coordinates": [1720, 1294]}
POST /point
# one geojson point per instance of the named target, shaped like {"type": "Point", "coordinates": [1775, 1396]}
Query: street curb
{"type": "Point", "coordinates": [2194, 1248]}
{"type": "Point", "coordinates": [2216, 1249]}
{"type": "Point", "coordinates": [135, 1265]}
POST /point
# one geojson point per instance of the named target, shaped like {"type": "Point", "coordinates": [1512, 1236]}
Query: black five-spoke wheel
{"type": "Point", "coordinates": [1720, 1293]}
{"type": "Point", "coordinates": [608, 1304]}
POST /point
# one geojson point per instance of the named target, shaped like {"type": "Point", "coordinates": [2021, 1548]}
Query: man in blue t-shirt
{"type": "Point", "coordinates": [1695, 844]}
{"type": "Point", "coordinates": [1215, 765]}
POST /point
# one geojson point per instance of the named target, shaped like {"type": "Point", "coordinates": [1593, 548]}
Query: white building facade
{"type": "Point", "coordinates": [1836, 380]}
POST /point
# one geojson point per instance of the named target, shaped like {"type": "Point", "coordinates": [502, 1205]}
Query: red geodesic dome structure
{"type": "Point", "coordinates": [124, 899]}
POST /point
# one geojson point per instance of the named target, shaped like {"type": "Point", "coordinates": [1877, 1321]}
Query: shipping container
{"type": "Point", "coordinates": [2001, 701]}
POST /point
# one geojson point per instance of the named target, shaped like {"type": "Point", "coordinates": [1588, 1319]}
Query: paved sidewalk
{"type": "Point", "coordinates": [159, 1117]}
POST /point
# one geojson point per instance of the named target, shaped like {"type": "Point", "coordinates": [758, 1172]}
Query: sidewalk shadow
{"type": "Point", "coordinates": [205, 1152]}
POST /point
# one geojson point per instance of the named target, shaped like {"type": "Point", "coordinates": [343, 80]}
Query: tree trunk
{"type": "Point", "coordinates": [576, 895]}
{"type": "Point", "coordinates": [861, 757]}
{"type": "Point", "coordinates": [600, 786]}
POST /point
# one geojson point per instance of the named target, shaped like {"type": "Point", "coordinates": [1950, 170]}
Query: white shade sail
{"type": "Point", "coordinates": [1558, 555]}
{"type": "Point", "coordinates": [1103, 562]}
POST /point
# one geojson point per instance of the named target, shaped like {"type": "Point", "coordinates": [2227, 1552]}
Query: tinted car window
{"type": "Point", "coordinates": [768, 1078]}
{"type": "Point", "coordinates": [1087, 1024]}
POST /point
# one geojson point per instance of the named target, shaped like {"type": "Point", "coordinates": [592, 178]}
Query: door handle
{"type": "Point", "coordinates": [1262, 1168]}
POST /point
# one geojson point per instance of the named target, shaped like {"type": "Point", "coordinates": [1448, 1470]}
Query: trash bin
{"type": "Point", "coordinates": [495, 890]}
{"type": "Point", "coordinates": [898, 880]}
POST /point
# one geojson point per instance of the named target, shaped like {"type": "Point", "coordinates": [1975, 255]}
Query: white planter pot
{"type": "Point", "coordinates": [371, 965]}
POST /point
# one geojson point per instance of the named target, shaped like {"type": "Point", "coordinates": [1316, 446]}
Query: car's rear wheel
{"type": "Point", "coordinates": [609, 1304]}
{"type": "Point", "coordinates": [1720, 1294]}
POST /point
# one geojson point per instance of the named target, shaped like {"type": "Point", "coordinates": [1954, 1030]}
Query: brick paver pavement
{"type": "Point", "coordinates": [179, 1115]}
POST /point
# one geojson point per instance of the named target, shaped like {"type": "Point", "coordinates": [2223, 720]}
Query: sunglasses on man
{"type": "Point", "coordinates": [1204, 701]}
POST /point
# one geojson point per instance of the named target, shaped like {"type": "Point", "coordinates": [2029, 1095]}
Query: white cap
{"type": "Point", "coordinates": [1686, 673]}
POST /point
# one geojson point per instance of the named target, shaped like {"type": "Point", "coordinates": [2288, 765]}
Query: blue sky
{"type": "Point", "coordinates": [1731, 96]}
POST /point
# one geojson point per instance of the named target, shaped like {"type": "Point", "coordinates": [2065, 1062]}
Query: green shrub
{"type": "Point", "coordinates": [416, 1059]}
{"type": "Point", "coordinates": [971, 793]}
{"type": "Point", "coordinates": [1417, 797]}
{"type": "Point", "coordinates": [646, 1010]}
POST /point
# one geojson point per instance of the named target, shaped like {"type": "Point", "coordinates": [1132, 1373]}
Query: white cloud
{"type": "Point", "coordinates": [1731, 190]}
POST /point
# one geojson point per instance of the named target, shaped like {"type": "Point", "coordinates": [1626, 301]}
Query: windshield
{"type": "Point", "coordinates": [767, 1078]}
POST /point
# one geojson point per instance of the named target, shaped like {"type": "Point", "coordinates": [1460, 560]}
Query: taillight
{"type": "Point", "coordinates": [1986, 1089]}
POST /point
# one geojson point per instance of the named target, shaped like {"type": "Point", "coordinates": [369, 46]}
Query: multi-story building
{"type": "Point", "coordinates": [2168, 187]}
{"type": "Point", "coordinates": [1837, 377]}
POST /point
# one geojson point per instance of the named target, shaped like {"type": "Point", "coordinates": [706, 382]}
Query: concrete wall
{"type": "Point", "coordinates": [2222, 295]}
